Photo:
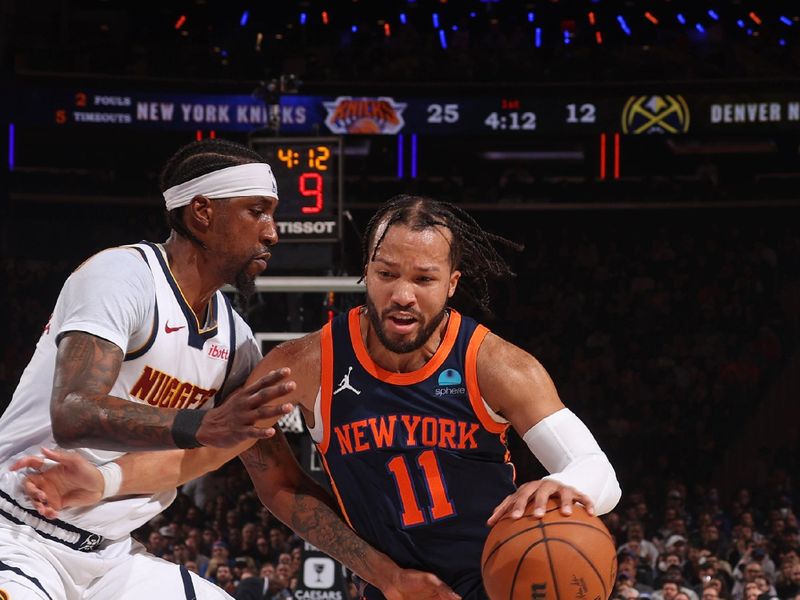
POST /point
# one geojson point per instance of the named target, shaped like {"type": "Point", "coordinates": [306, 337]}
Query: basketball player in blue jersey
{"type": "Point", "coordinates": [408, 402]}
{"type": "Point", "coordinates": [144, 352]}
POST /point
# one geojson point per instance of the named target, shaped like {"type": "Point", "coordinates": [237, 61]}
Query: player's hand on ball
{"type": "Point", "coordinates": [72, 481]}
{"type": "Point", "coordinates": [243, 414]}
{"type": "Point", "coordinates": [537, 493]}
{"type": "Point", "coordinates": [411, 584]}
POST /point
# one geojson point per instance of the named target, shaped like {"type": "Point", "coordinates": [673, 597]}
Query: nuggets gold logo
{"type": "Point", "coordinates": [4, 595]}
{"type": "Point", "coordinates": [655, 114]}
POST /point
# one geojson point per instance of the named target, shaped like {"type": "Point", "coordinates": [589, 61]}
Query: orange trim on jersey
{"type": "Point", "coordinates": [413, 377]}
{"type": "Point", "coordinates": [326, 384]}
{"type": "Point", "coordinates": [473, 389]}
{"type": "Point", "coordinates": [335, 489]}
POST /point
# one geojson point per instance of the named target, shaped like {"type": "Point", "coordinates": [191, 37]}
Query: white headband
{"type": "Point", "coordinates": [251, 179]}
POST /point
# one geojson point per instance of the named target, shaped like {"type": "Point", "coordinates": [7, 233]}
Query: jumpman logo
{"type": "Point", "coordinates": [344, 384]}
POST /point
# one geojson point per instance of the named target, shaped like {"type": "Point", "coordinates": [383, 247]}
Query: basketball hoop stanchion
{"type": "Point", "coordinates": [292, 423]}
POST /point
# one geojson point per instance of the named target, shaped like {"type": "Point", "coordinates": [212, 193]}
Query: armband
{"type": "Point", "coordinates": [185, 426]}
{"type": "Point", "coordinates": [112, 479]}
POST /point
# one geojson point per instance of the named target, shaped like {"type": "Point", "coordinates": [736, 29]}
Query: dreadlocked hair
{"type": "Point", "coordinates": [473, 251]}
{"type": "Point", "coordinates": [196, 159]}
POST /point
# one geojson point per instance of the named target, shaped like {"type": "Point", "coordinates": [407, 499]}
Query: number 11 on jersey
{"type": "Point", "coordinates": [440, 504]}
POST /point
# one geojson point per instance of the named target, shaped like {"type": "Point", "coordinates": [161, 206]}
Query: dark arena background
{"type": "Point", "coordinates": [645, 153]}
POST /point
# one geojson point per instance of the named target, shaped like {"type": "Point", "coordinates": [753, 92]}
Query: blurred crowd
{"type": "Point", "coordinates": [701, 548]}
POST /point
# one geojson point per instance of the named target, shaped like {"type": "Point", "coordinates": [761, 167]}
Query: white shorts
{"type": "Point", "coordinates": [35, 568]}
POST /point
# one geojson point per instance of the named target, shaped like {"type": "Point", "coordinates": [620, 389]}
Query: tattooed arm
{"type": "Point", "coordinates": [300, 503]}
{"type": "Point", "coordinates": [85, 415]}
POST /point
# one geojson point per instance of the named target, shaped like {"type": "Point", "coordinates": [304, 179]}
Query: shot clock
{"type": "Point", "coordinates": [308, 172]}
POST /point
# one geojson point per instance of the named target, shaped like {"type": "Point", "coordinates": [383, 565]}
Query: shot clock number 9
{"type": "Point", "coordinates": [309, 182]}
{"type": "Point", "coordinates": [308, 173]}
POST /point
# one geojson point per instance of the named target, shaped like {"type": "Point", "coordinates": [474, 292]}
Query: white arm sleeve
{"type": "Point", "coordinates": [568, 450]}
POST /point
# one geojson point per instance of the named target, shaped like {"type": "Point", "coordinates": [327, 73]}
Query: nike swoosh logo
{"type": "Point", "coordinates": [169, 329]}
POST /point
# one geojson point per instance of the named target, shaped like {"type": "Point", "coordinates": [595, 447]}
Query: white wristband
{"type": "Point", "coordinates": [112, 478]}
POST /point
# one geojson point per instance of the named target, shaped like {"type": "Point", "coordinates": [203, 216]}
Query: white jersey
{"type": "Point", "coordinates": [129, 297]}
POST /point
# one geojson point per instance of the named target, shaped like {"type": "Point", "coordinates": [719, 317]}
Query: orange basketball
{"type": "Point", "coordinates": [552, 558]}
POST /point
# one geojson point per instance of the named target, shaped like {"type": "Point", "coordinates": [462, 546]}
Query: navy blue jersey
{"type": "Point", "coordinates": [415, 459]}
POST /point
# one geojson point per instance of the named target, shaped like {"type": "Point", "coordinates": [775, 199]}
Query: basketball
{"type": "Point", "coordinates": [551, 558]}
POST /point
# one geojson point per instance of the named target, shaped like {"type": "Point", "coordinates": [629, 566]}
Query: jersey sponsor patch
{"type": "Point", "coordinates": [449, 377]}
{"type": "Point", "coordinates": [218, 351]}
{"type": "Point", "coordinates": [450, 384]}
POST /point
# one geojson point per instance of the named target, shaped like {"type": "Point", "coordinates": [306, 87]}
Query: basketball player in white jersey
{"type": "Point", "coordinates": [140, 352]}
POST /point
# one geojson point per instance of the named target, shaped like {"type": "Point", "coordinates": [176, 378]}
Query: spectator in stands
{"type": "Point", "coordinates": [669, 564]}
{"type": "Point", "coordinates": [766, 591]}
{"type": "Point", "coordinates": [637, 543]}
{"type": "Point", "coordinates": [223, 577]}
{"type": "Point", "coordinates": [639, 574]}
{"type": "Point", "coordinates": [192, 566]}
{"type": "Point", "coordinates": [624, 590]}
{"type": "Point", "coordinates": [156, 544]}
{"type": "Point", "coordinates": [668, 591]}
{"type": "Point", "coordinates": [193, 552]}
{"type": "Point", "coordinates": [744, 574]}
{"type": "Point", "coordinates": [788, 581]}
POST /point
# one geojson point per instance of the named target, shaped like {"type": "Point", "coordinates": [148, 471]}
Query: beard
{"type": "Point", "coordinates": [241, 278]}
{"type": "Point", "coordinates": [403, 346]}
{"type": "Point", "coordinates": [245, 283]}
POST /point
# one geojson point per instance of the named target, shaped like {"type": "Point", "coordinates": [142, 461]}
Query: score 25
{"type": "Point", "coordinates": [443, 113]}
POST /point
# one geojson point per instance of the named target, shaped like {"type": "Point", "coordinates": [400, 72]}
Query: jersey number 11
{"type": "Point", "coordinates": [440, 505]}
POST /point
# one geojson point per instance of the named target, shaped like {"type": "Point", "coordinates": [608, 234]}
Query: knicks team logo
{"type": "Point", "coordinates": [365, 115]}
{"type": "Point", "coordinates": [655, 114]}
{"type": "Point", "coordinates": [449, 379]}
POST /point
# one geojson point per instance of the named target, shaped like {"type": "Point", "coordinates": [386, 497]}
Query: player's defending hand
{"type": "Point", "coordinates": [248, 412]}
{"type": "Point", "coordinates": [410, 584]}
{"type": "Point", "coordinates": [538, 492]}
{"type": "Point", "coordinates": [72, 481]}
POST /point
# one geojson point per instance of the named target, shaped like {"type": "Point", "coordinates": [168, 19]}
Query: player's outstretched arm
{"type": "Point", "coordinates": [85, 415]}
{"type": "Point", "coordinates": [71, 481]}
{"type": "Point", "coordinates": [300, 503]}
{"type": "Point", "coordinates": [518, 387]}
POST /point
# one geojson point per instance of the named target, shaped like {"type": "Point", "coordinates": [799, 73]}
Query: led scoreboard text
{"type": "Point", "coordinates": [308, 174]}
{"type": "Point", "coordinates": [310, 181]}
{"type": "Point", "coordinates": [671, 108]}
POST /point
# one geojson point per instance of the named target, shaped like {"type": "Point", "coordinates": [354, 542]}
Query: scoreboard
{"type": "Point", "coordinates": [308, 172]}
{"type": "Point", "coordinates": [633, 109]}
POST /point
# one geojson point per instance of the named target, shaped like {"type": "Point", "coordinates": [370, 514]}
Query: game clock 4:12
{"type": "Point", "coordinates": [308, 172]}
